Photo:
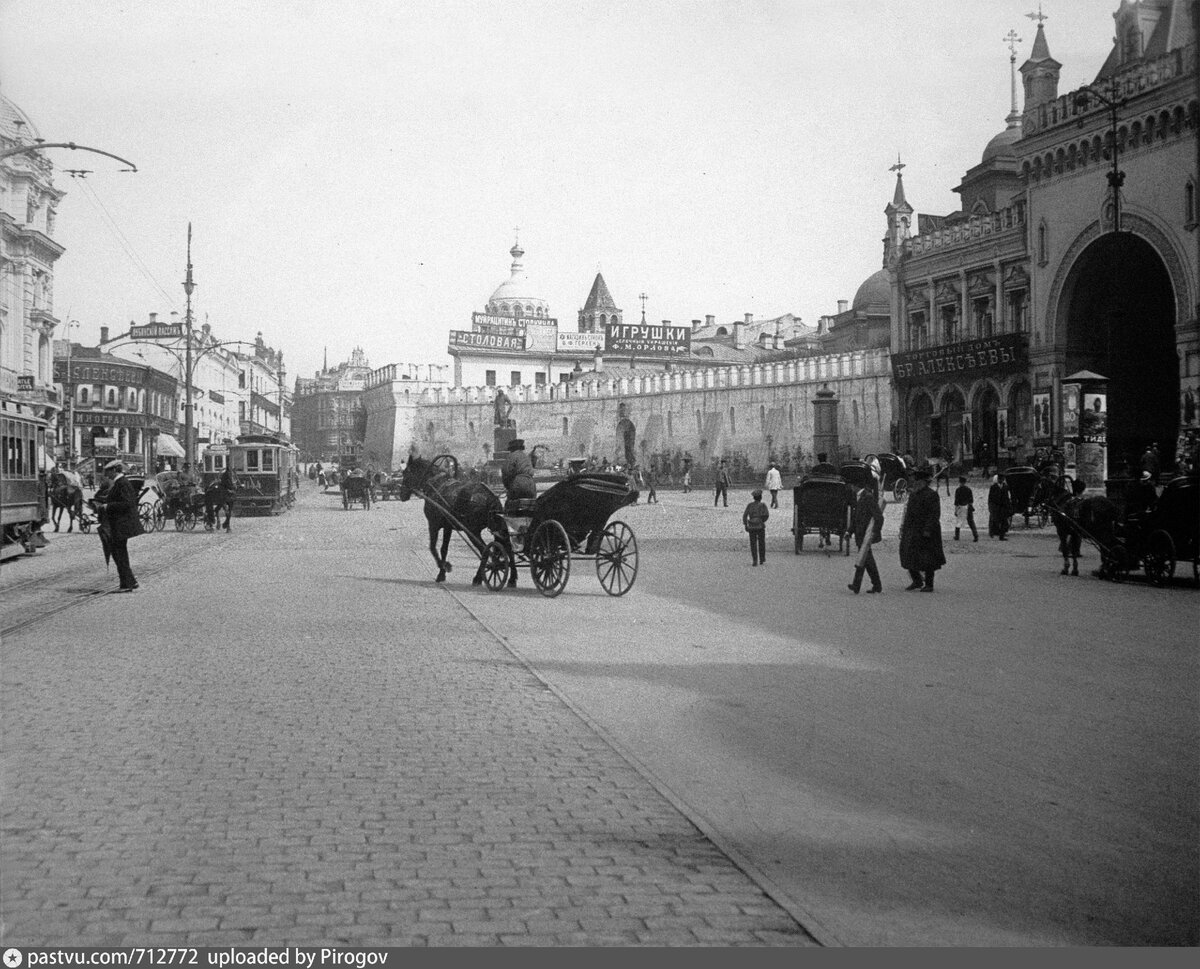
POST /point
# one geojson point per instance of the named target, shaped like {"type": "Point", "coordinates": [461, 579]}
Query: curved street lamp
{"type": "Point", "coordinates": [1113, 101]}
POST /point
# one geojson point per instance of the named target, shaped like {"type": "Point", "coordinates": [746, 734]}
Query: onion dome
{"type": "Point", "coordinates": [516, 296]}
{"type": "Point", "coordinates": [15, 124]}
{"type": "Point", "coordinates": [1003, 145]}
{"type": "Point", "coordinates": [875, 292]}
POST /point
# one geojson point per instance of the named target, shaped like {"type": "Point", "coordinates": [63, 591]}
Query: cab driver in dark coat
{"type": "Point", "coordinates": [517, 475]}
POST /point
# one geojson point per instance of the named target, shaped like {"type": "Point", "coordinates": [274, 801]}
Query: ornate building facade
{"type": "Point", "coordinates": [1074, 253]}
{"type": "Point", "coordinates": [28, 252]}
{"type": "Point", "coordinates": [328, 417]}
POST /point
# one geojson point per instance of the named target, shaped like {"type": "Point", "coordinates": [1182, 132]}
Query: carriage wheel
{"type": "Point", "coordinates": [160, 518]}
{"type": "Point", "coordinates": [1043, 515]}
{"type": "Point", "coordinates": [180, 521]}
{"type": "Point", "coordinates": [189, 520]}
{"type": "Point", "coordinates": [1114, 561]}
{"type": "Point", "coordinates": [1159, 557]}
{"type": "Point", "coordinates": [146, 514]}
{"type": "Point", "coordinates": [85, 525]}
{"type": "Point", "coordinates": [550, 558]}
{"type": "Point", "coordinates": [900, 489]}
{"type": "Point", "coordinates": [497, 566]}
{"type": "Point", "coordinates": [617, 559]}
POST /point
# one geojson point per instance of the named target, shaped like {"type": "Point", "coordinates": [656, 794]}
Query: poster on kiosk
{"type": "Point", "coordinates": [1085, 425]}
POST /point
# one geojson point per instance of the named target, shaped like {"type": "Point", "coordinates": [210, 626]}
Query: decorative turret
{"type": "Point", "coordinates": [1040, 72]}
{"type": "Point", "coordinates": [899, 213]}
{"type": "Point", "coordinates": [599, 309]}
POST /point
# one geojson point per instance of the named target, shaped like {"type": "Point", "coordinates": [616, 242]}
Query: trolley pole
{"type": "Point", "coordinates": [188, 285]}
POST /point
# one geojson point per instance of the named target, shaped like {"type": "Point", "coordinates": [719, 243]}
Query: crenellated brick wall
{"type": "Point", "coordinates": [743, 412]}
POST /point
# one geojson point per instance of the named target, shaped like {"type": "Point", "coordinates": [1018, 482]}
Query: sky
{"type": "Point", "coordinates": [355, 171]}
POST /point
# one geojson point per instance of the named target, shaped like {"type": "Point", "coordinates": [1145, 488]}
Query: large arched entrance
{"type": "Point", "coordinates": [985, 419]}
{"type": "Point", "coordinates": [951, 441]}
{"type": "Point", "coordinates": [1120, 322]}
{"type": "Point", "coordinates": [921, 413]}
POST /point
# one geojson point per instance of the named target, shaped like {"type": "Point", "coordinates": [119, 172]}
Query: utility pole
{"type": "Point", "coordinates": [188, 285]}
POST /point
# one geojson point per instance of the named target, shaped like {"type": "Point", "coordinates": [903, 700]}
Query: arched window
{"type": "Point", "coordinates": [792, 416]}
{"type": "Point", "coordinates": [83, 396]}
{"type": "Point", "coordinates": [762, 418]}
{"type": "Point", "coordinates": [112, 397]}
{"type": "Point", "coordinates": [699, 426]}
{"type": "Point", "coordinates": [1041, 243]}
{"type": "Point", "coordinates": [854, 410]}
{"type": "Point", "coordinates": [732, 421]}
{"type": "Point", "coordinates": [670, 425]}
{"type": "Point", "coordinates": [566, 427]}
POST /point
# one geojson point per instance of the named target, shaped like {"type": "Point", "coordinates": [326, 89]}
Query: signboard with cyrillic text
{"type": "Point", "coordinates": [648, 339]}
{"type": "Point", "coordinates": [470, 340]}
{"type": "Point", "coordinates": [970, 359]}
{"type": "Point", "coordinates": [580, 342]}
{"type": "Point", "coordinates": [156, 331]}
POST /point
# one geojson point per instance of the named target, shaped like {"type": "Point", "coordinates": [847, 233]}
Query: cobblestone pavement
{"type": "Point", "coordinates": [295, 739]}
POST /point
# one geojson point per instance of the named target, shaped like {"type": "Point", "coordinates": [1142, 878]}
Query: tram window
{"type": "Point", "coordinates": [268, 461]}
{"type": "Point", "coordinates": [251, 460]}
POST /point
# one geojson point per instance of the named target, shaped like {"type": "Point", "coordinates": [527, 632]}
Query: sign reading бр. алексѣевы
{"type": "Point", "coordinates": [994, 354]}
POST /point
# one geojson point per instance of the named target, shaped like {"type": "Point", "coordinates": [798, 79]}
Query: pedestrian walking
{"type": "Point", "coordinates": [687, 480]}
{"type": "Point", "coordinates": [722, 484]}
{"type": "Point", "coordinates": [651, 481]}
{"type": "Point", "coordinates": [774, 483]}
{"type": "Point", "coordinates": [964, 508]}
{"type": "Point", "coordinates": [999, 507]}
{"type": "Point", "coordinates": [754, 518]}
{"type": "Point", "coordinates": [117, 509]}
{"type": "Point", "coordinates": [867, 522]}
{"type": "Point", "coordinates": [921, 552]}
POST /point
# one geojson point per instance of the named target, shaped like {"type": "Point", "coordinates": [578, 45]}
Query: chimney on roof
{"type": "Point", "coordinates": [843, 305]}
{"type": "Point", "coordinates": [709, 320]}
{"type": "Point", "coordinates": [749, 318]}
{"type": "Point", "coordinates": [739, 335]}
{"type": "Point", "coordinates": [822, 325]}
{"type": "Point", "coordinates": [153, 317]}
{"type": "Point", "coordinates": [598, 361]}
{"type": "Point", "coordinates": [695, 324]}
{"type": "Point", "coordinates": [103, 335]}
{"type": "Point", "coordinates": [778, 344]}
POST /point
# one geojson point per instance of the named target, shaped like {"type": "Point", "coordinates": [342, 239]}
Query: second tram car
{"type": "Point", "coordinates": [23, 501]}
{"type": "Point", "coordinates": [266, 470]}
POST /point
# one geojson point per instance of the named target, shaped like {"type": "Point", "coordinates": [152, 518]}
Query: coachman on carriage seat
{"type": "Point", "coordinates": [517, 476]}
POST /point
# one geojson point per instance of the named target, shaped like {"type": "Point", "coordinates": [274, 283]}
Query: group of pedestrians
{"type": "Point", "coordinates": [921, 551]}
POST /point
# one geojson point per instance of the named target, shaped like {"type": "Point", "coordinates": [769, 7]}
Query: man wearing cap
{"type": "Point", "coordinates": [755, 519]}
{"type": "Point", "coordinates": [119, 514]}
{"type": "Point", "coordinates": [921, 552]}
{"type": "Point", "coordinates": [517, 475]}
{"type": "Point", "coordinates": [1142, 497]}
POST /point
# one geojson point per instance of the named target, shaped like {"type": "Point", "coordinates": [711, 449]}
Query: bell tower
{"type": "Point", "coordinates": [899, 215]}
{"type": "Point", "coordinates": [1040, 72]}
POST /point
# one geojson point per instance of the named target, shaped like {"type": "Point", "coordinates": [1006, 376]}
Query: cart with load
{"type": "Point", "coordinates": [356, 490]}
{"type": "Point", "coordinates": [822, 503]}
{"type": "Point", "coordinates": [1161, 538]}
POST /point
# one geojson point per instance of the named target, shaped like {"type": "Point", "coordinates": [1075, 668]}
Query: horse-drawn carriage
{"type": "Point", "coordinates": [896, 475]}
{"type": "Point", "coordinates": [390, 485]}
{"type": "Point", "coordinates": [1159, 539]}
{"type": "Point", "coordinates": [822, 503]}
{"type": "Point", "coordinates": [570, 519]}
{"type": "Point", "coordinates": [356, 490]}
{"type": "Point", "coordinates": [1029, 490]}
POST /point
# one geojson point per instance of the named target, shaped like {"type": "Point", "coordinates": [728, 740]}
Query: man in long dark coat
{"type": "Point", "coordinates": [921, 552]}
{"type": "Point", "coordinates": [118, 511]}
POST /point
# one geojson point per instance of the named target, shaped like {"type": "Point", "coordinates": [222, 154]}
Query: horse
{"type": "Point", "coordinates": [65, 495]}
{"type": "Point", "coordinates": [218, 496]}
{"type": "Point", "coordinates": [472, 504]}
{"type": "Point", "coordinates": [1093, 517]}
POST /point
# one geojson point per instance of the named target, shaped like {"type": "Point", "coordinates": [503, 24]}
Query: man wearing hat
{"type": "Point", "coordinates": [755, 519]}
{"type": "Point", "coordinates": [118, 512]}
{"type": "Point", "coordinates": [921, 552]}
{"type": "Point", "coordinates": [517, 475]}
{"type": "Point", "coordinates": [1142, 497]}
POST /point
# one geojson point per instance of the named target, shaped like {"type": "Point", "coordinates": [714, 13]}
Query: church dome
{"type": "Point", "coordinates": [15, 123]}
{"type": "Point", "coordinates": [1002, 145]}
{"type": "Point", "coordinates": [875, 291]}
{"type": "Point", "coordinates": [516, 296]}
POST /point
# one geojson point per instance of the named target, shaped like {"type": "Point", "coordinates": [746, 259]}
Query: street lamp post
{"type": "Point", "coordinates": [1113, 102]}
{"type": "Point", "coordinates": [188, 407]}
{"type": "Point", "coordinates": [69, 386]}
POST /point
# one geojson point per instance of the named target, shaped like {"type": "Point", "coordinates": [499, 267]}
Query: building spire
{"type": "Point", "coordinates": [1014, 116]}
{"type": "Point", "coordinates": [898, 199]}
{"type": "Point", "coordinates": [643, 298]}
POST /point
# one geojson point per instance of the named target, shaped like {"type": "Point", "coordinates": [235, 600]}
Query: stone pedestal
{"type": "Point", "coordinates": [501, 436]}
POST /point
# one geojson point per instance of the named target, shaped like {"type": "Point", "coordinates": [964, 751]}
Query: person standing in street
{"type": "Point", "coordinates": [118, 512]}
{"type": "Point", "coordinates": [867, 523]}
{"type": "Point", "coordinates": [687, 480]}
{"type": "Point", "coordinates": [651, 481]}
{"type": "Point", "coordinates": [755, 519]}
{"type": "Point", "coordinates": [722, 484]}
{"type": "Point", "coordinates": [999, 508]}
{"type": "Point", "coordinates": [921, 552]}
{"type": "Point", "coordinates": [774, 483]}
{"type": "Point", "coordinates": [964, 508]}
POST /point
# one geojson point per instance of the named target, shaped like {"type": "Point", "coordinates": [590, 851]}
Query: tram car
{"type": "Point", "coordinates": [23, 500]}
{"type": "Point", "coordinates": [266, 469]}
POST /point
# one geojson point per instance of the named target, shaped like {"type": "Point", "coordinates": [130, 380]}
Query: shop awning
{"type": "Point", "coordinates": [168, 447]}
